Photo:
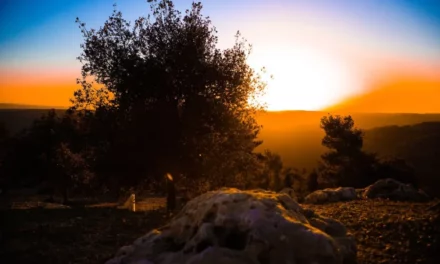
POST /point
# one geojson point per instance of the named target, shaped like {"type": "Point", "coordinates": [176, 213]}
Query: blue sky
{"type": "Point", "coordinates": [44, 31]}
{"type": "Point", "coordinates": [370, 36]}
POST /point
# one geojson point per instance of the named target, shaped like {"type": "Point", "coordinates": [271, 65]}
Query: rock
{"type": "Point", "coordinates": [347, 193]}
{"type": "Point", "coordinates": [316, 197]}
{"type": "Point", "coordinates": [290, 192]}
{"type": "Point", "coordinates": [394, 190]}
{"type": "Point", "coordinates": [233, 226]}
{"type": "Point", "coordinates": [331, 195]}
{"type": "Point", "coordinates": [360, 193]}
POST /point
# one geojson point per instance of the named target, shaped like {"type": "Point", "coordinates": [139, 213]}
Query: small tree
{"type": "Point", "coordinates": [295, 179]}
{"type": "Point", "coordinates": [345, 164]}
{"type": "Point", "coordinates": [312, 181]}
{"type": "Point", "coordinates": [70, 171]}
{"type": "Point", "coordinates": [341, 136]}
{"type": "Point", "coordinates": [288, 178]}
{"type": "Point", "coordinates": [273, 168]}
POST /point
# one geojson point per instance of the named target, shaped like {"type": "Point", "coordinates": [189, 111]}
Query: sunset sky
{"type": "Point", "coordinates": [364, 56]}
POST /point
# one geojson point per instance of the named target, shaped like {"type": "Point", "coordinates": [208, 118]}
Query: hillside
{"type": "Point", "coordinates": [17, 119]}
{"type": "Point", "coordinates": [418, 144]}
{"type": "Point", "coordinates": [296, 136]}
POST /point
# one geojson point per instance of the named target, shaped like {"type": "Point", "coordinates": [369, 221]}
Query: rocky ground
{"type": "Point", "coordinates": [390, 232]}
{"type": "Point", "coordinates": [386, 232]}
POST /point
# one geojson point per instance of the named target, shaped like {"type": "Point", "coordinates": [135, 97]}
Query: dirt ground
{"type": "Point", "coordinates": [389, 232]}
{"type": "Point", "coordinates": [386, 232]}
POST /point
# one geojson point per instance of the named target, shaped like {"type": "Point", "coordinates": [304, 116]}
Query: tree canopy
{"type": "Point", "coordinates": [166, 99]}
{"type": "Point", "coordinates": [345, 164]}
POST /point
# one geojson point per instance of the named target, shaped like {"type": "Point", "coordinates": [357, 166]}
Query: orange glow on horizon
{"type": "Point", "coordinates": [321, 84]}
{"type": "Point", "coordinates": [403, 94]}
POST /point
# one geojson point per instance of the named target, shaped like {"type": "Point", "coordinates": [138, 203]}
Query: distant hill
{"type": "Point", "coordinates": [418, 144]}
{"type": "Point", "coordinates": [296, 135]}
{"type": "Point", "coordinates": [17, 119]}
{"type": "Point", "coordinates": [416, 138]}
{"type": "Point", "coordinates": [4, 106]}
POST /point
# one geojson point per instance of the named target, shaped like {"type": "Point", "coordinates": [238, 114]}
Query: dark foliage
{"type": "Point", "coordinates": [312, 181]}
{"type": "Point", "coordinates": [40, 156]}
{"type": "Point", "coordinates": [165, 99]}
{"type": "Point", "coordinates": [70, 171]}
{"type": "Point", "coordinates": [345, 164]}
{"type": "Point", "coordinates": [417, 148]}
{"type": "Point", "coordinates": [288, 181]}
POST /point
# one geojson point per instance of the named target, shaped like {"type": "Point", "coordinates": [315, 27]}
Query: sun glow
{"type": "Point", "coordinates": [305, 79]}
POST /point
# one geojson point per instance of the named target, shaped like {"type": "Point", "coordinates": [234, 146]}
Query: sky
{"type": "Point", "coordinates": [365, 56]}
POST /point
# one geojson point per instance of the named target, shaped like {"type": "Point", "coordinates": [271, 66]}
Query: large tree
{"type": "Point", "coordinates": [166, 98]}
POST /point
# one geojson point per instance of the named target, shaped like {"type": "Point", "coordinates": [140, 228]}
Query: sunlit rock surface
{"type": "Point", "coordinates": [330, 195]}
{"type": "Point", "coordinates": [394, 190]}
{"type": "Point", "coordinates": [233, 226]}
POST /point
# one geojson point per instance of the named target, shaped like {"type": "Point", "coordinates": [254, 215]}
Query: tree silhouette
{"type": "Point", "coordinates": [340, 135]}
{"type": "Point", "coordinates": [312, 181]}
{"type": "Point", "coordinates": [345, 164]}
{"type": "Point", "coordinates": [166, 99]}
{"type": "Point", "coordinates": [288, 178]}
{"type": "Point", "coordinates": [31, 157]}
{"type": "Point", "coordinates": [70, 171]}
{"type": "Point", "coordinates": [273, 170]}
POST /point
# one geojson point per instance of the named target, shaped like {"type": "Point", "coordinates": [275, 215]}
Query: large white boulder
{"type": "Point", "coordinates": [330, 195]}
{"type": "Point", "coordinates": [233, 226]}
{"type": "Point", "coordinates": [394, 190]}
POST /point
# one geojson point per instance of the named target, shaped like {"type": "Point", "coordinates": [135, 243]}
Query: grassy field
{"type": "Point", "coordinates": [386, 232]}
